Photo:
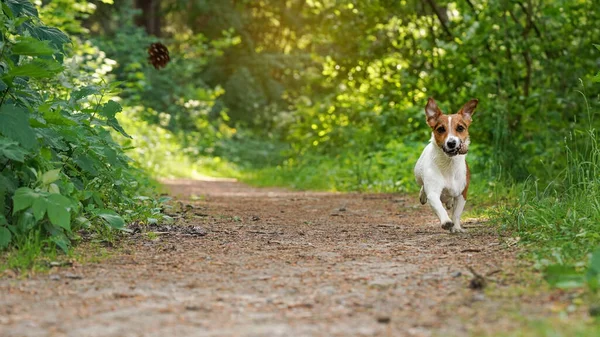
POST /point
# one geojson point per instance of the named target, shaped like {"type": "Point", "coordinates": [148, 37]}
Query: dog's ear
{"type": "Point", "coordinates": [432, 111]}
{"type": "Point", "coordinates": [468, 109]}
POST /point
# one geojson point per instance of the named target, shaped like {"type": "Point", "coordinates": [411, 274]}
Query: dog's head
{"type": "Point", "coordinates": [451, 132]}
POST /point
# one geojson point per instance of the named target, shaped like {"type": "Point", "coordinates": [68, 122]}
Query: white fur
{"type": "Point", "coordinates": [442, 180]}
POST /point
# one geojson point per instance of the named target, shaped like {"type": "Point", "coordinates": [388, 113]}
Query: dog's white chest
{"type": "Point", "coordinates": [456, 180]}
{"type": "Point", "coordinates": [444, 174]}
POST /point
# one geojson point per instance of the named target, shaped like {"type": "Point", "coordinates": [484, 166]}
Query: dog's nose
{"type": "Point", "coordinates": [451, 144]}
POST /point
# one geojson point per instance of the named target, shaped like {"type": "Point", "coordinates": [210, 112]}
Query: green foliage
{"type": "Point", "coordinates": [15, 125]}
{"type": "Point", "coordinates": [571, 326]}
{"type": "Point", "coordinates": [560, 222]}
{"type": "Point", "coordinates": [341, 84]}
{"type": "Point", "coordinates": [568, 276]}
{"type": "Point", "coordinates": [347, 80]}
{"type": "Point", "coordinates": [333, 91]}
{"type": "Point", "coordinates": [60, 169]}
{"type": "Point", "coordinates": [176, 97]}
{"type": "Point", "coordinates": [166, 154]}
{"type": "Point", "coordinates": [172, 111]}
{"type": "Point", "coordinates": [382, 171]}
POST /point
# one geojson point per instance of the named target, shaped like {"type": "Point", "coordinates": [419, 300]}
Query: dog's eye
{"type": "Point", "coordinates": [460, 128]}
{"type": "Point", "coordinates": [441, 129]}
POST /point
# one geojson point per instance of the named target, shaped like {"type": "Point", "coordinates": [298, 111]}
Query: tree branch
{"type": "Point", "coordinates": [530, 21]}
{"type": "Point", "coordinates": [443, 20]}
{"type": "Point", "coordinates": [527, 83]}
{"type": "Point", "coordinates": [548, 52]}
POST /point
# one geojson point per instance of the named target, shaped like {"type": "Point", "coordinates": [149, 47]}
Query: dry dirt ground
{"type": "Point", "coordinates": [242, 261]}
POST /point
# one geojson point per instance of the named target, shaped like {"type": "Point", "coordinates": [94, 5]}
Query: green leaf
{"type": "Point", "coordinates": [84, 92]}
{"type": "Point", "coordinates": [114, 123]}
{"type": "Point", "coordinates": [597, 46]}
{"type": "Point", "coordinates": [59, 210]}
{"type": "Point", "coordinates": [5, 237]}
{"type": "Point", "coordinates": [62, 241]}
{"type": "Point", "coordinates": [38, 68]}
{"type": "Point", "coordinates": [50, 176]}
{"type": "Point", "coordinates": [26, 221]}
{"type": "Point", "coordinates": [53, 138]}
{"type": "Point", "coordinates": [3, 220]}
{"type": "Point", "coordinates": [14, 124]}
{"type": "Point", "coordinates": [110, 109]}
{"type": "Point", "coordinates": [111, 155]}
{"type": "Point", "coordinates": [54, 36]}
{"type": "Point", "coordinates": [564, 277]}
{"type": "Point", "coordinates": [24, 198]}
{"type": "Point", "coordinates": [596, 78]}
{"type": "Point", "coordinates": [83, 222]}
{"type": "Point", "coordinates": [53, 188]}
{"type": "Point", "coordinates": [57, 118]}
{"type": "Point", "coordinates": [164, 199]}
{"type": "Point", "coordinates": [97, 199]}
{"type": "Point", "coordinates": [21, 7]}
{"type": "Point", "coordinates": [39, 208]}
{"type": "Point", "coordinates": [7, 10]}
{"type": "Point", "coordinates": [111, 217]}
{"type": "Point", "coordinates": [593, 273]}
{"type": "Point", "coordinates": [32, 47]}
{"type": "Point", "coordinates": [86, 163]}
{"type": "Point", "coordinates": [595, 262]}
{"type": "Point", "coordinates": [11, 150]}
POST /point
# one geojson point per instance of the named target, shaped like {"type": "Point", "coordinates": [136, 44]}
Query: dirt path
{"type": "Point", "coordinates": [270, 262]}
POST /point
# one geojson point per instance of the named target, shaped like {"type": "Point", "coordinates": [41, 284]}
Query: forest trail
{"type": "Point", "coordinates": [243, 261]}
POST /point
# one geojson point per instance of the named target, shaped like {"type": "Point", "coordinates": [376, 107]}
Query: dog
{"type": "Point", "coordinates": [442, 170]}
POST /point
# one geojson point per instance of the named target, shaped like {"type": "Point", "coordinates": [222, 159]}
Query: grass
{"type": "Point", "coordinates": [33, 254]}
{"type": "Point", "coordinates": [27, 256]}
{"type": "Point", "coordinates": [557, 327]}
{"type": "Point", "coordinates": [559, 221]}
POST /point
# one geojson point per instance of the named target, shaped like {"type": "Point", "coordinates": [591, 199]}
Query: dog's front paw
{"type": "Point", "coordinates": [456, 229]}
{"type": "Point", "coordinates": [448, 225]}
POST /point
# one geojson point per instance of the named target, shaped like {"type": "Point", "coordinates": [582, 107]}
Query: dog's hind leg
{"type": "Point", "coordinates": [449, 202]}
{"type": "Point", "coordinates": [423, 196]}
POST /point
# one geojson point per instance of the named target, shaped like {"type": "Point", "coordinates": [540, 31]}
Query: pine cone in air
{"type": "Point", "coordinates": [158, 55]}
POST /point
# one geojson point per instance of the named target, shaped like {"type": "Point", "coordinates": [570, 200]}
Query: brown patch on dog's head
{"type": "Point", "coordinates": [451, 132]}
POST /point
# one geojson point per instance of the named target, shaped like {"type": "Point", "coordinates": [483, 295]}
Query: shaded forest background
{"type": "Point", "coordinates": [314, 94]}
{"type": "Point", "coordinates": [338, 87]}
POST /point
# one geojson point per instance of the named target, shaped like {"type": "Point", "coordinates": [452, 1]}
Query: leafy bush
{"type": "Point", "coordinates": [559, 220]}
{"type": "Point", "coordinates": [61, 170]}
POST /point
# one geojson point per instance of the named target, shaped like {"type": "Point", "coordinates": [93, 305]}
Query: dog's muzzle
{"type": "Point", "coordinates": [450, 152]}
{"type": "Point", "coordinates": [455, 147]}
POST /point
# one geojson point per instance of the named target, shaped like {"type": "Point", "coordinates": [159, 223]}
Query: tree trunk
{"type": "Point", "coordinates": [150, 16]}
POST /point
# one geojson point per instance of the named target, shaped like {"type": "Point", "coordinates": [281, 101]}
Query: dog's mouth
{"type": "Point", "coordinates": [463, 148]}
{"type": "Point", "coordinates": [450, 152]}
